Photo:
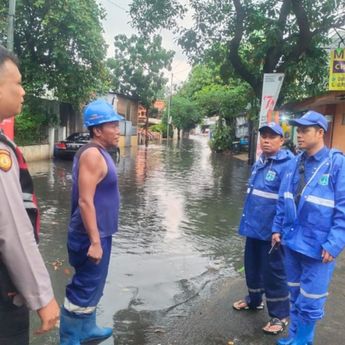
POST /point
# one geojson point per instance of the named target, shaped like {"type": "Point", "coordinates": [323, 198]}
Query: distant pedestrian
{"type": "Point", "coordinates": [94, 219]}
{"type": "Point", "coordinates": [24, 280]}
{"type": "Point", "coordinates": [310, 221]}
{"type": "Point", "coordinates": [264, 269]}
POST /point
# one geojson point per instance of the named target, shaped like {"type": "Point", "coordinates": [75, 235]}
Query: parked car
{"type": "Point", "coordinates": [66, 149]}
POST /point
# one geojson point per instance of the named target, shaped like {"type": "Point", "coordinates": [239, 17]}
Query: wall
{"type": "Point", "coordinates": [128, 141]}
{"type": "Point", "coordinates": [339, 128]}
{"type": "Point", "coordinates": [36, 152]}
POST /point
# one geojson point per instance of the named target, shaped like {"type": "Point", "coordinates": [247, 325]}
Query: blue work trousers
{"type": "Point", "coordinates": [308, 281]}
{"type": "Point", "coordinates": [87, 285]}
{"type": "Point", "coordinates": [265, 274]}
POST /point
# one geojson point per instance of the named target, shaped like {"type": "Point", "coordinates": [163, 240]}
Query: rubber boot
{"type": "Point", "coordinates": [289, 341]}
{"type": "Point", "coordinates": [71, 325]}
{"type": "Point", "coordinates": [90, 330]}
{"type": "Point", "coordinates": [305, 333]}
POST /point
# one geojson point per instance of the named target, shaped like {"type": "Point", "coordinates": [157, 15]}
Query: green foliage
{"type": "Point", "coordinates": [149, 15]}
{"type": "Point", "coordinates": [60, 46]}
{"type": "Point", "coordinates": [250, 38]}
{"type": "Point", "coordinates": [137, 69]}
{"type": "Point", "coordinates": [223, 101]}
{"type": "Point", "coordinates": [31, 126]}
{"type": "Point", "coordinates": [221, 137]}
{"type": "Point", "coordinates": [159, 128]}
{"type": "Point", "coordinates": [201, 76]}
{"type": "Point", "coordinates": [212, 96]}
{"type": "Point", "coordinates": [184, 113]}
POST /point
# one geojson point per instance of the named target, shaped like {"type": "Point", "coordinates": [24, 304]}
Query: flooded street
{"type": "Point", "coordinates": [180, 207]}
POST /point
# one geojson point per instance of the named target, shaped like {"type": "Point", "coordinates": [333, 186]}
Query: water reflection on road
{"type": "Point", "coordinates": [180, 209]}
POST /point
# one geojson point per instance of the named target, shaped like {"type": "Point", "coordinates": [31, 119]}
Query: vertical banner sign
{"type": "Point", "coordinates": [270, 92]}
{"type": "Point", "coordinates": [337, 70]}
{"type": "Point", "coordinates": [8, 126]}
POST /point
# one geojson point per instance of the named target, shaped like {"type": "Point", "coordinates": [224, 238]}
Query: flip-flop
{"type": "Point", "coordinates": [242, 305]}
{"type": "Point", "coordinates": [276, 322]}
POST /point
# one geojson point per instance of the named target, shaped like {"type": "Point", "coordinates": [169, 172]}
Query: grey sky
{"type": "Point", "coordinates": [117, 22]}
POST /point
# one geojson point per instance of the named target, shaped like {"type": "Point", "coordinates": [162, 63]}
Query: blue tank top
{"type": "Point", "coordinates": [106, 199]}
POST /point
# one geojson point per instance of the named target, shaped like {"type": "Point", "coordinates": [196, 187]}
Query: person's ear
{"type": "Point", "coordinates": [97, 131]}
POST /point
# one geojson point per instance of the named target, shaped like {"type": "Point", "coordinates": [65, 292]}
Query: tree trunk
{"type": "Point", "coordinates": [147, 127]}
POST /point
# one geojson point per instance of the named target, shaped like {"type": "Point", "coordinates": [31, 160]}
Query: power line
{"type": "Point", "coordinates": [118, 6]}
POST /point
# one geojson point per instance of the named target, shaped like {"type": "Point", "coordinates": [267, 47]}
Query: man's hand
{"type": "Point", "coordinates": [95, 252]}
{"type": "Point", "coordinates": [49, 316]}
{"type": "Point", "coordinates": [275, 239]}
{"type": "Point", "coordinates": [326, 257]}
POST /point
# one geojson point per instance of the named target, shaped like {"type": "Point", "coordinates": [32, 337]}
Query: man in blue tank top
{"type": "Point", "coordinates": [94, 219]}
{"type": "Point", "coordinates": [310, 221]}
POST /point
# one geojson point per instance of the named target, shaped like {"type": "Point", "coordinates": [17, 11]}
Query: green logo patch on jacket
{"type": "Point", "coordinates": [323, 181]}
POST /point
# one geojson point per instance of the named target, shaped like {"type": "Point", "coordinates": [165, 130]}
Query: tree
{"type": "Point", "coordinates": [60, 46]}
{"type": "Point", "coordinates": [137, 68]}
{"type": "Point", "coordinates": [184, 113]}
{"type": "Point", "coordinates": [200, 76]}
{"type": "Point", "coordinates": [255, 37]}
{"type": "Point", "coordinates": [212, 96]}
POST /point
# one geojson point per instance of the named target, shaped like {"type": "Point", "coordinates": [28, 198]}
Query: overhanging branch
{"type": "Point", "coordinates": [234, 45]}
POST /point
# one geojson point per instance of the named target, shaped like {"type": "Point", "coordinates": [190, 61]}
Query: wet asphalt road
{"type": "Point", "coordinates": [212, 321]}
{"type": "Point", "coordinates": [173, 276]}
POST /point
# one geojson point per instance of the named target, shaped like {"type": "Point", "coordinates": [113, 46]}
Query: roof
{"type": "Point", "coordinates": [330, 97]}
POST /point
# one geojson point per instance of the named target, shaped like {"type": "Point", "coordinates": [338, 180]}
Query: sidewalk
{"type": "Point", "coordinates": [212, 321]}
{"type": "Point", "coordinates": [242, 156]}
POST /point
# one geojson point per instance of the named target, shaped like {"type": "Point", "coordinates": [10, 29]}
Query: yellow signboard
{"type": "Point", "coordinates": [337, 69]}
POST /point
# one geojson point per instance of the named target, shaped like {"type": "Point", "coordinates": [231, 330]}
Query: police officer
{"type": "Point", "coordinates": [310, 220]}
{"type": "Point", "coordinates": [24, 280]}
{"type": "Point", "coordinates": [94, 219]}
{"type": "Point", "coordinates": [264, 267]}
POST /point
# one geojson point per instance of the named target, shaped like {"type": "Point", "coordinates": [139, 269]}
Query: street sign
{"type": "Point", "coordinates": [337, 70]}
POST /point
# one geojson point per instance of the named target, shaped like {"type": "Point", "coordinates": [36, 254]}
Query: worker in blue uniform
{"type": "Point", "coordinates": [310, 222]}
{"type": "Point", "coordinates": [94, 219]}
{"type": "Point", "coordinates": [264, 268]}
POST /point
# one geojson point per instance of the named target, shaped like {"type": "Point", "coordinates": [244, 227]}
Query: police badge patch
{"type": "Point", "coordinates": [5, 160]}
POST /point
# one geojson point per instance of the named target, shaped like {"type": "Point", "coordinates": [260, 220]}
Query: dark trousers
{"type": "Point", "coordinates": [14, 324]}
{"type": "Point", "coordinates": [265, 274]}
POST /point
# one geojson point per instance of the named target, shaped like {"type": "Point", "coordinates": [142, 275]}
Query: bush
{"type": "Point", "coordinates": [160, 128]}
{"type": "Point", "coordinates": [221, 138]}
{"type": "Point", "coordinates": [31, 126]}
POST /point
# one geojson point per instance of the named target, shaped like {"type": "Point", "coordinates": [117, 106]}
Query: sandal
{"type": "Point", "coordinates": [242, 305]}
{"type": "Point", "coordinates": [278, 325]}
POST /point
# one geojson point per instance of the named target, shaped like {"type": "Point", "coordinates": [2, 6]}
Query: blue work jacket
{"type": "Point", "coordinates": [318, 222]}
{"type": "Point", "coordinates": [262, 195]}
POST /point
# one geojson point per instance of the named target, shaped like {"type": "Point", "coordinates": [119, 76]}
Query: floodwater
{"type": "Point", "coordinates": [180, 207]}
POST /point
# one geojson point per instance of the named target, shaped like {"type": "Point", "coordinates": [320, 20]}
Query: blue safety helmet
{"type": "Point", "coordinates": [98, 112]}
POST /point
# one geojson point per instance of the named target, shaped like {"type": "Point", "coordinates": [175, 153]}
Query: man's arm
{"type": "Point", "coordinates": [19, 251]}
{"type": "Point", "coordinates": [92, 169]}
{"type": "Point", "coordinates": [277, 226]}
{"type": "Point", "coordinates": [336, 239]}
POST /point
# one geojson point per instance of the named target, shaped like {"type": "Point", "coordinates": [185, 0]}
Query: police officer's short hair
{"type": "Point", "coordinates": [6, 55]}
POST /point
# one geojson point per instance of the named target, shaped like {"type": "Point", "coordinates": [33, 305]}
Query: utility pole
{"type": "Point", "coordinates": [169, 106]}
{"type": "Point", "coordinates": [10, 31]}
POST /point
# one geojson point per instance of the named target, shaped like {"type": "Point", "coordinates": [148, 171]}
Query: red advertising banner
{"type": "Point", "coordinates": [8, 126]}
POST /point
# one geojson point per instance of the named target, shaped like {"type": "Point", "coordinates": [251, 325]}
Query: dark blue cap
{"type": "Point", "coordinates": [274, 127]}
{"type": "Point", "coordinates": [311, 118]}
